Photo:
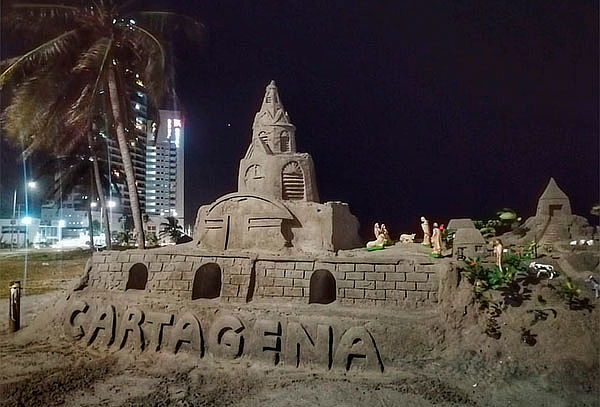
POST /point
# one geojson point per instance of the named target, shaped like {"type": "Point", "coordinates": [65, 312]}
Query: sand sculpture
{"type": "Point", "coordinates": [277, 204]}
{"type": "Point", "coordinates": [426, 231]}
{"type": "Point", "coordinates": [260, 279]}
{"type": "Point", "coordinates": [468, 243]}
{"type": "Point", "coordinates": [436, 240]}
{"type": "Point", "coordinates": [498, 250]}
{"type": "Point", "coordinates": [554, 221]}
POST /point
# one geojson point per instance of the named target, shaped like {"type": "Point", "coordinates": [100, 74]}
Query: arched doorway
{"type": "Point", "coordinates": [322, 288]}
{"type": "Point", "coordinates": [138, 277]}
{"type": "Point", "coordinates": [207, 282]}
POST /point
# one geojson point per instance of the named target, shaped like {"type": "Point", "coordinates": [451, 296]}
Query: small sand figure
{"type": "Point", "coordinates": [595, 285]}
{"type": "Point", "coordinates": [436, 240]}
{"type": "Point", "coordinates": [498, 252]}
{"type": "Point", "coordinates": [386, 235]}
{"type": "Point", "coordinates": [376, 244]}
{"type": "Point", "coordinates": [376, 230]}
{"type": "Point", "coordinates": [426, 232]}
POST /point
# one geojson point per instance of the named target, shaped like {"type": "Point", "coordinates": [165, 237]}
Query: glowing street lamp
{"type": "Point", "coordinates": [27, 220]}
{"type": "Point", "coordinates": [94, 204]}
{"type": "Point", "coordinates": [111, 204]}
{"type": "Point", "coordinates": [32, 185]}
{"type": "Point", "coordinates": [62, 223]}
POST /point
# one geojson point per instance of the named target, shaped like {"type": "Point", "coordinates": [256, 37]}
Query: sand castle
{"type": "Point", "coordinates": [266, 278]}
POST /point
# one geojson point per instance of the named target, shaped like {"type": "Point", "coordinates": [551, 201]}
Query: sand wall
{"type": "Point", "coordinates": [402, 282]}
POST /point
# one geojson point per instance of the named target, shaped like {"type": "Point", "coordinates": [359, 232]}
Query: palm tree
{"type": "Point", "coordinates": [92, 51]}
{"type": "Point", "coordinates": [171, 228]}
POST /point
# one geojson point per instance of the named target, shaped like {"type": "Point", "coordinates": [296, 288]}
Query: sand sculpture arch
{"type": "Point", "coordinates": [207, 282]}
{"type": "Point", "coordinates": [292, 181]}
{"type": "Point", "coordinates": [322, 288]}
{"type": "Point", "coordinates": [138, 277]}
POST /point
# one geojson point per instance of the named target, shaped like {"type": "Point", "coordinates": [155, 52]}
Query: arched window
{"type": "Point", "coordinates": [253, 177]}
{"type": "Point", "coordinates": [292, 181]}
{"type": "Point", "coordinates": [284, 141]}
{"type": "Point", "coordinates": [322, 288]}
{"type": "Point", "coordinates": [138, 277]}
{"type": "Point", "coordinates": [207, 282]}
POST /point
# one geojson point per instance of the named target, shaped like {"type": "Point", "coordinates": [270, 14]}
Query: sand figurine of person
{"type": "Point", "coordinates": [436, 240]}
{"type": "Point", "coordinates": [426, 232]}
{"type": "Point", "coordinates": [376, 230]}
{"type": "Point", "coordinates": [498, 252]}
{"type": "Point", "coordinates": [386, 235]}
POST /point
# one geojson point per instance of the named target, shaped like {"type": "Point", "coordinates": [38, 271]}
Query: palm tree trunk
{"type": "Point", "coordinates": [90, 224]}
{"type": "Point", "coordinates": [126, 157]}
{"type": "Point", "coordinates": [98, 181]}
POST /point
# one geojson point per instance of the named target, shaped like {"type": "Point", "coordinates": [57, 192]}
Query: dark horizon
{"type": "Point", "coordinates": [438, 109]}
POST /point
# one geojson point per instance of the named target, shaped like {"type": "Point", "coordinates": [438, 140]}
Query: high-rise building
{"type": "Point", "coordinates": [164, 166]}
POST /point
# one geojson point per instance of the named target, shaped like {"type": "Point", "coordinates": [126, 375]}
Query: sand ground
{"type": "Point", "coordinates": [40, 370]}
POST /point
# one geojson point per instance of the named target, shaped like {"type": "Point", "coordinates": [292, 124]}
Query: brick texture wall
{"type": "Point", "coordinates": [402, 282]}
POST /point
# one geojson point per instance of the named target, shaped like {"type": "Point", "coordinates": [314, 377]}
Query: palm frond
{"type": "Point", "coordinates": [46, 20]}
{"type": "Point", "coordinates": [94, 57]}
{"type": "Point", "coordinates": [41, 55]}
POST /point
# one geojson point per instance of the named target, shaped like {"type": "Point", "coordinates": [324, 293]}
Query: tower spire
{"type": "Point", "coordinates": [272, 128]}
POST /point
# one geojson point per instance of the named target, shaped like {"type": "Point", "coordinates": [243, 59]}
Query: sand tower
{"type": "Point", "coordinates": [277, 204]}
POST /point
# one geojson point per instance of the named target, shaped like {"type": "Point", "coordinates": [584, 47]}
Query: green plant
{"type": "Point", "coordinates": [151, 239]}
{"type": "Point", "coordinates": [488, 231]}
{"type": "Point", "coordinates": [122, 238]}
{"type": "Point", "coordinates": [474, 270]}
{"type": "Point", "coordinates": [568, 290]}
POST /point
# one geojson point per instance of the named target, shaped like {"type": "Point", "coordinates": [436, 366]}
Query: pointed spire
{"type": "Point", "coordinates": [272, 110]}
{"type": "Point", "coordinates": [552, 191]}
{"type": "Point", "coordinates": [553, 201]}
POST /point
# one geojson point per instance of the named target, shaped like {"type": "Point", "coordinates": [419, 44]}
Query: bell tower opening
{"type": "Point", "coordinates": [292, 181]}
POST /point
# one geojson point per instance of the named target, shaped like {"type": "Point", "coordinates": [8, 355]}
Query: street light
{"type": "Point", "coordinates": [94, 204]}
{"type": "Point", "coordinates": [26, 220]}
{"type": "Point", "coordinates": [111, 204]}
{"type": "Point", "coordinates": [32, 185]}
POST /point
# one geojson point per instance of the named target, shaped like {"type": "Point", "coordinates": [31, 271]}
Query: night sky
{"type": "Point", "coordinates": [446, 109]}
{"type": "Point", "coordinates": [443, 109]}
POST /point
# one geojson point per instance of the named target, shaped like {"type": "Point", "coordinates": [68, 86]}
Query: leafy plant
{"type": "Point", "coordinates": [151, 239]}
{"type": "Point", "coordinates": [122, 238]}
{"type": "Point", "coordinates": [474, 269]}
{"type": "Point", "coordinates": [568, 290]}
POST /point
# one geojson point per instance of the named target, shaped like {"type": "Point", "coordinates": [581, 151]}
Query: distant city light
{"type": "Point", "coordinates": [32, 184]}
{"type": "Point", "coordinates": [94, 204]}
{"type": "Point", "coordinates": [111, 204]}
{"type": "Point", "coordinates": [62, 223]}
{"type": "Point", "coordinates": [131, 21]}
{"type": "Point", "coordinates": [26, 220]}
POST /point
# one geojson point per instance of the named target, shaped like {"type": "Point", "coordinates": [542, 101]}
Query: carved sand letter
{"type": "Point", "coordinates": [225, 339]}
{"type": "Point", "coordinates": [103, 321]}
{"type": "Point", "coordinates": [153, 327]}
{"type": "Point", "coordinates": [72, 328]}
{"type": "Point", "coordinates": [268, 339]}
{"type": "Point", "coordinates": [357, 344]}
{"type": "Point", "coordinates": [187, 331]}
{"type": "Point", "coordinates": [301, 348]}
{"type": "Point", "coordinates": [129, 327]}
